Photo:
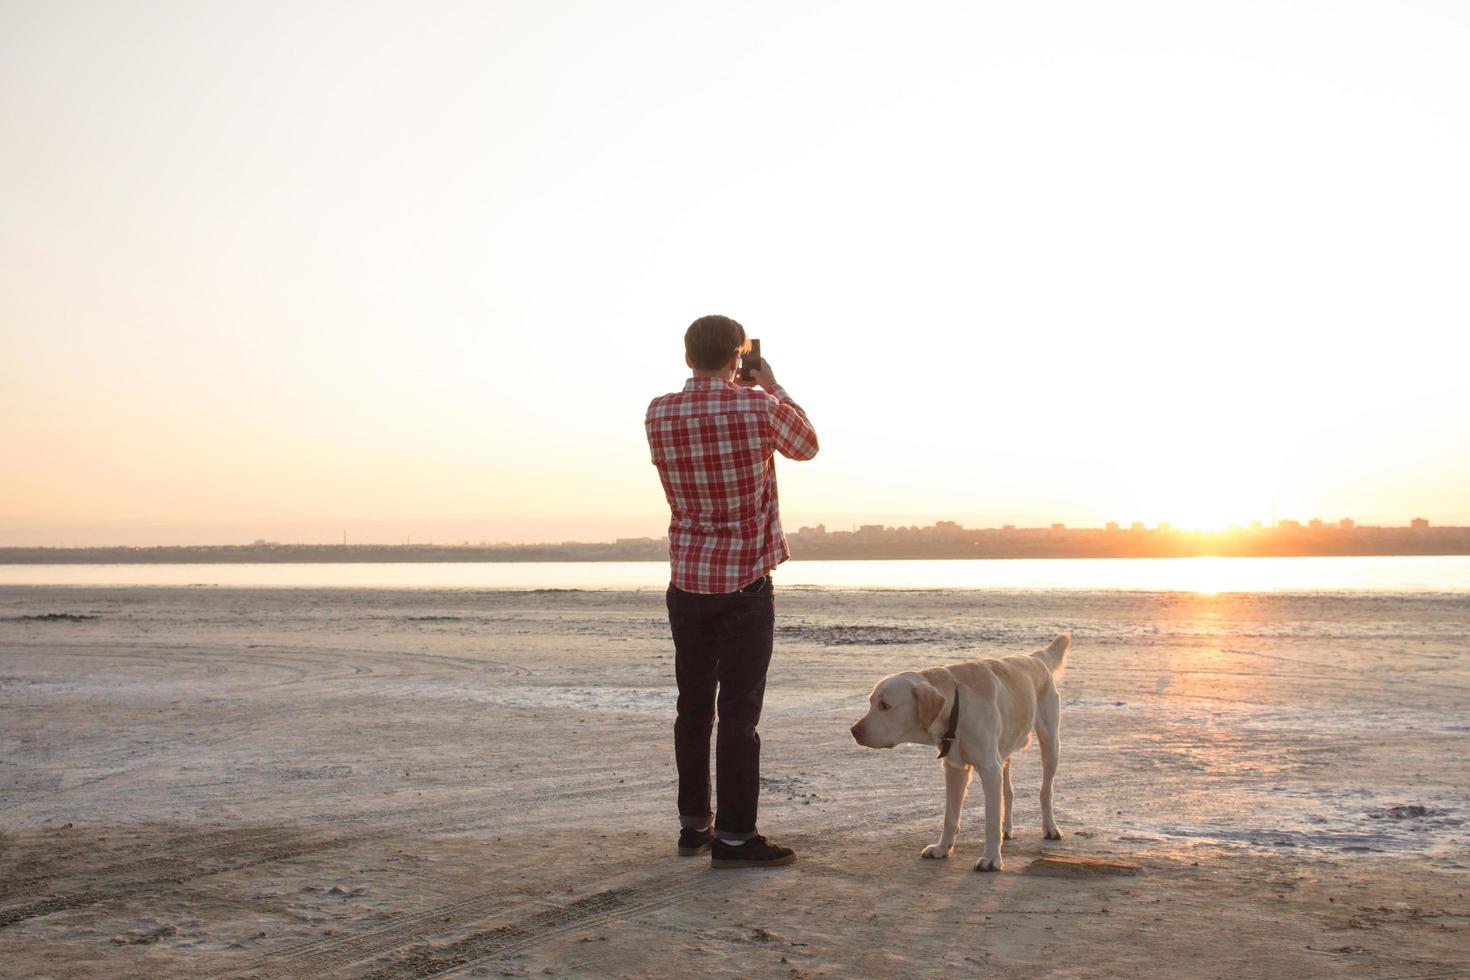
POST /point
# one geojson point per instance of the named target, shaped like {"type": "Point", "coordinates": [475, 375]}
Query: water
{"type": "Point", "coordinates": [1201, 575]}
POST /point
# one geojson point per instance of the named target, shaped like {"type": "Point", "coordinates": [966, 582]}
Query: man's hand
{"type": "Point", "coordinates": [764, 376]}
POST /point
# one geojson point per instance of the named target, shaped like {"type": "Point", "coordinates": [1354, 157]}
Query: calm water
{"type": "Point", "coordinates": [1409, 574]}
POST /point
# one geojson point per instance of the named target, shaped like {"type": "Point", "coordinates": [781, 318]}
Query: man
{"type": "Point", "coordinates": [713, 444]}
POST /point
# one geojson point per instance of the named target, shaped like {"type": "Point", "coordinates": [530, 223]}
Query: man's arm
{"type": "Point", "coordinates": [793, 432]}
{"type": "Point", "coordinates": [650, 419]}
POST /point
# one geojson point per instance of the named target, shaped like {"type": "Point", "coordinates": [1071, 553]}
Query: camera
{"type": "Point", "coordinates": [750, 360]}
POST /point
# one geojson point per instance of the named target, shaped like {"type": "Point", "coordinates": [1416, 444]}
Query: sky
{"type": "Point", "coordinates": [413, 271]}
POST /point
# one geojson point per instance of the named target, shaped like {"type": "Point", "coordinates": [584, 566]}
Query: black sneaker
{"type": "Point", "coordinates": [754, 853]}
{"type": "Point", "coordinates": [692, 842]}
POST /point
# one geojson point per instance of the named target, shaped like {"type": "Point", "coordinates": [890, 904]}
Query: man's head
{"type": "Point", "coordinates": [713, 343]}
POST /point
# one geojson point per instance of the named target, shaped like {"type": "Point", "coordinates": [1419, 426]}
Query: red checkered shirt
{"type": "Point", "coordinates": [714, 445]}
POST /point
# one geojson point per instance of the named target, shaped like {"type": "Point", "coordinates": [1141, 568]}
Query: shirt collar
{"type": "Point", "coordinates": [706, 384]}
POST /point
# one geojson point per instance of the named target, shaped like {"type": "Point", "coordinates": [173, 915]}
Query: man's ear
{"type": "Point", "coordinates": [929, 703]}
{"type": "Point", "coordinates": [688, 361]}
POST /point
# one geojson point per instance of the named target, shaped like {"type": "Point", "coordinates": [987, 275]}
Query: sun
{"type": "Point", "coordinates": [1204, 498]}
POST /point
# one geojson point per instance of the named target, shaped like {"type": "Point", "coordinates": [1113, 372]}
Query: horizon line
{"type": "Point", "coordinates": [1312, 524]}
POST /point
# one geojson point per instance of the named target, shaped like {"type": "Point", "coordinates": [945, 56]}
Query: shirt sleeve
{"type": "Point", "coordinates": [650, 429]}
{"type": "Point", "coordinates": [793, 432]}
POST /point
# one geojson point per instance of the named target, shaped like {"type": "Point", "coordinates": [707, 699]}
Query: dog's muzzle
{"type": "Point", "coordinates": [860, 736]}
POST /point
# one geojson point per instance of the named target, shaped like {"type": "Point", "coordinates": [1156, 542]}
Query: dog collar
{"type": "Point", "coordinates": [947, 742]}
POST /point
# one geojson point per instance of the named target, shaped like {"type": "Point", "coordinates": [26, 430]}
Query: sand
{"type": "Point", "coordinates": [411, 783]}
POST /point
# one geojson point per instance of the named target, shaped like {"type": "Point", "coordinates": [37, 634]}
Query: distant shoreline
{"type": "Point", "coordinates": [987, 545]}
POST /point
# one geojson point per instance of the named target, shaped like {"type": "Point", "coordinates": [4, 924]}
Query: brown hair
{"type": "Point", "coordinates": [711, 341]}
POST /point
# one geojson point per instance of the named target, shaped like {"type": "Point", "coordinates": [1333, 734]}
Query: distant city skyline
{"type": "Point", "coordinates": [442, 533]}
{"type": "Point", "coordinates": [942, 540]}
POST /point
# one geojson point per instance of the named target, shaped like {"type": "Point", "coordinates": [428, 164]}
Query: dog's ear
{"type": "Point", "coordinates": [929, 702]}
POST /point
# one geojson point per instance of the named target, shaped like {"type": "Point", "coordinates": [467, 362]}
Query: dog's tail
{"type": "Point", "coordinates": [1055, 656]}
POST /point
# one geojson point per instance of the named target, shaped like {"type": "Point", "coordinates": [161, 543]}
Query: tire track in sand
{"type": "Point", "coordinates": [532, 928]}
{"type": "Point", "coordinates": [248, 849]}
{"type": "Point", "coordinates": [183, 852]}
{"type": "Point", "coordinates": [150, 873]}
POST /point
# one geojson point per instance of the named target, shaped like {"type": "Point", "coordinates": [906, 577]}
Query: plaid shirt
{"type": "Point", "coordinates": [713, 444]}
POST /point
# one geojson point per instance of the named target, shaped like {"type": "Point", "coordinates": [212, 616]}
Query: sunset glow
{"type": "Point", "coordinates": [419, 279]}
{"type": "Point", "coordinates": [402, 576]}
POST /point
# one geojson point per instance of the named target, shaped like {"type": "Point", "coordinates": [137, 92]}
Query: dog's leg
{"type": "Point", "coordinates": [1049, 738]}
{"type": "Point", "coordinates": [991, 779]}
{"type": "Point", "coordinates": [956, 783]}
{"type": "Point", "coordinates": [1010, 800]}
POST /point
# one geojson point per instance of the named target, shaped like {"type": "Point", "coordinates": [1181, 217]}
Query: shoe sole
{"type": "Point", "coordinates": [751, 863]}
{"type": "Point", "coordinates": [693, 851]}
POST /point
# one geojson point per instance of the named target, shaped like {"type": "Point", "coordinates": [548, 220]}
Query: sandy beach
{"type": "Point", "coordinates": [206, 782]}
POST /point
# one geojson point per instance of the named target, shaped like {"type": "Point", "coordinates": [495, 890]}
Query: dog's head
{"type": "Point", "coordinates": [901, 708]}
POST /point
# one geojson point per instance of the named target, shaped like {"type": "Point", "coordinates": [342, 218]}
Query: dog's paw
{"type": "Point", "coordinates": [936, 852]}
{"type": "Point", "coordinates": [1052, 833]}
{"type": "Point", "coordinates": [989, 864]}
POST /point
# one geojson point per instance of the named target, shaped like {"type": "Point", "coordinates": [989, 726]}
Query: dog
{"type": "Point", "coordinates": [978, 714]}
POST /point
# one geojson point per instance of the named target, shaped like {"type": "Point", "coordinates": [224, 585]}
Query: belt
{"type": "Point", "coordinates": [757, 586]}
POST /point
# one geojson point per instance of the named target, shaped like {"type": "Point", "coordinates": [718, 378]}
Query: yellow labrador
{"type": "Point", "coordinates": [978, 714]}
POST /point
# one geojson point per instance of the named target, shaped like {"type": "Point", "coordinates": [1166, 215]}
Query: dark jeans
{"type": "Point", "coordinates": [722, 639]}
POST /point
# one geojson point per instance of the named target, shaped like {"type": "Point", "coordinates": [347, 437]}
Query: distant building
{"type": "Point", "coordinates": [1346, 524]}
{"type": "Point", "coordinates": [1111, 526]}
{"type": "Point", "coordinates": [1289, 525]}
{"type": "Point", "coordinates": [1059, 527]}
{"type": "Point", "coordinates": [1419, 524]}
{"type": "Point", "coordinates": [1008, 527]}
{"type": "Point", "coordinates": [1165, 526]}
{"type": "Point", "coordinates": [1316, 524]}
{"type": "Point", "coordinates": [1136, 526]}
{"type": "Point", "coordinates": [1254, 525]}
